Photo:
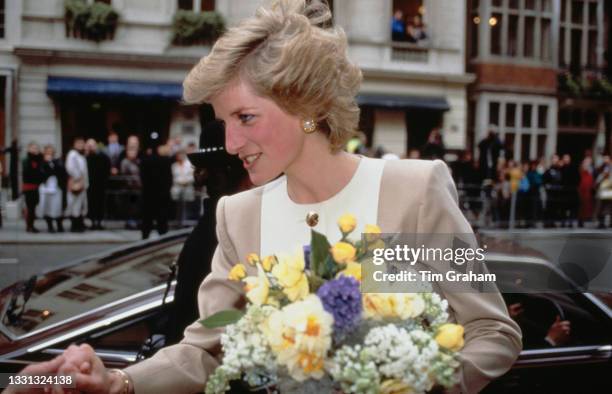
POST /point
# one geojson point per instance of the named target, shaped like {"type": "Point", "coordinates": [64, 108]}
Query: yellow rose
{"type": "Point", "coordinates": [268, 262]}
{"type": "Point", "coordinates": [450, 336]}
{"type": "Point", "coordinates": [238, 272]}
{"type": "Point", "coordinates": [343, 252]}
{"type": "Point", "coordinates": [252, 258]}
{"type": "Point", "coordinates": [347, 223]}
{"type": "Point", "coordinates": [257, 287]}
{"type": "Point", "coordinates": [291, 277]}
{"type": "Point", "coordinates": [352, 269]}
{"type": "Point", "coordinates": [372, 232]}
{"type": "Point", "coordinates": [395, 386]}
{"type": "Point", "coordinates": [402, 306]}
{"type": "Point", "coordinates": [378, 244]}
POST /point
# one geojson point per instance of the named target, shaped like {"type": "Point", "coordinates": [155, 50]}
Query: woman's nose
{"type": "Point", "coordinates": [234, 140]}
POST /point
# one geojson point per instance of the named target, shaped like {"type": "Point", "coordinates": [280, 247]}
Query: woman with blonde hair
{"type": "Point", "coordinates": [284, 87]}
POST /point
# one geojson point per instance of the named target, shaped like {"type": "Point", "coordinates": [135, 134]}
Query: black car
{"type": "Point", "coordinates": [119, 303]}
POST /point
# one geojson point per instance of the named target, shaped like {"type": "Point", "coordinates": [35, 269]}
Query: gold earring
{"type": "Point", "coordinates": [309, 126]}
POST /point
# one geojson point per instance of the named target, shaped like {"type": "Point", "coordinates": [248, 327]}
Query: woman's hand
{"type": "Point", "coordinates": [48, 367]}
{"type": "Point", "coordinates": [90, 374]}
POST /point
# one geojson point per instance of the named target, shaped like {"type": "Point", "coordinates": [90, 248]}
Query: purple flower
{"type": "Point", "coordinates": [341, 297]}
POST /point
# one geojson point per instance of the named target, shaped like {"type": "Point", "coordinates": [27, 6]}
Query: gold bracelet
{"type": "Point", "coordinates": [125, 378]}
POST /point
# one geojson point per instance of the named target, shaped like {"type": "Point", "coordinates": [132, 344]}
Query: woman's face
{"type": "Point", "coordinates": [265, 138]}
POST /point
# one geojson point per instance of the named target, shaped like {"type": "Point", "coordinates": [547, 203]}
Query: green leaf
{"type": "Point", "coordinates": [319, 252]}
{"type": "Point", "coordinates": [222, 319]}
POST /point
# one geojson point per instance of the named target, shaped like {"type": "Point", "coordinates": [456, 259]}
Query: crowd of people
{"type": "Point", "coordinates": [99, 181]}
{"type": "Point", "coordinates": [553, 193]}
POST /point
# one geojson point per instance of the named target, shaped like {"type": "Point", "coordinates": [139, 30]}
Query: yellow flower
{"type": "Point", "coordinates": [252, 258]}
{"type": "Point", "coordinates": [379, 306]}
{"type": "Point", "coordinates": [347, 223]}
{"type": "Point", "coordinates": [290, 274]}
{"type": "Point", "coordinates": [268, 262]}
{"type": "Point", "coordinates": [352, 269]}
{"type": "Point", "coordinates": [257, 287]}
{"type": "Point", "coordinates": [372, 232]}
{"type": "Point", "coordinates": [395, 386]}
{"type": "Point", "coordinates": [300, 337]}
{"type": "Point", "coordinates": [343, 252]}
{"type": "Point", "coordinates": [450, 336]}
{"type": "Point", "coordinates": [378, 244]}
{"type": "Point", "coordinates": [238, 272]}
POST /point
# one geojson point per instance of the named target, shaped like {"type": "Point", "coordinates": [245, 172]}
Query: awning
{"type": "Point", "coordinates": [403, 102]}
{"type": "Point", "coordinates": [64, 86]}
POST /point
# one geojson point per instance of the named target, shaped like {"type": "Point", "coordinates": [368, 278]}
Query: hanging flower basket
{"type": "Point", "coordinates": [196, 28]}
{"type": "Point", "coordinates": [95, 22]}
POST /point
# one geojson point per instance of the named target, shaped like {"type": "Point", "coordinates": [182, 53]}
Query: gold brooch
{"type": "Point", "coordinates": [312, 218]}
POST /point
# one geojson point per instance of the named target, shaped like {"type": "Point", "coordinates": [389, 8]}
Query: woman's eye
{"type": "Point", "coordinates": [244, 118]}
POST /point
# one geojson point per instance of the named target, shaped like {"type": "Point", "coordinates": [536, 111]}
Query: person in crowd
{"type": "Point", "coordinates": [523, 194]}
{"type": "Point", "coordinates": [32, 178]}
{"type": "Point", "coordinates": [52, 190]}
{"type": "Point", "coordinates": [603, 186]}
{"type": "Point", "coordinates": [13, 167]}
{"type": "Point", "coordinates": [99, 169]}
{"type": "Point", "coordinates": [130, 170]}
{"type": "Point", "coordinates": [267, 80]}
{"type": "Point", "coordinates": [182, 190]}
{"type": "Point", "coordinates": [114, 150]}
{"type": "Point", "coordinates": [489, 149]}
{"type": "Point", "coordinates": [570, 178]}
{"type": "Point", "coordinates": [78, 182]}
{"type": "Point", "coordinates": [398, 30]}
{"type": "Point", "coordinates": [156, 180]}
{"type": "Point", "coordinates": [434, 147]}
{"type": "Point", "coordinates": [221, 174]}
{"type": "Point", "coordinates": [585, 191]}
{"type": "Point", "coordinates": [535, 208]}
{"type": "Point", "coordinates": [191, 148]}
{"type": "Point", "coordinates": [502, 194]}
{"type": "Point", "coordinates": [415, 30]}
{"type": "Point", "coordinates": [553, 185]}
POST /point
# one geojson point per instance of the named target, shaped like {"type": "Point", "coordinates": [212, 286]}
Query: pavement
{"type": "Point", "coordinates": [13, 232]}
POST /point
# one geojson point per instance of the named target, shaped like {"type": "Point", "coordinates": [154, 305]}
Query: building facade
{"type": "Point", "coordinates": [57, 85]}
{"type": "Point", "coordinates": [541, 71]}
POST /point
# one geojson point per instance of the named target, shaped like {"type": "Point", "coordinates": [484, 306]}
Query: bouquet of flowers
{"type": "Point", "coordinates": [308, 328]}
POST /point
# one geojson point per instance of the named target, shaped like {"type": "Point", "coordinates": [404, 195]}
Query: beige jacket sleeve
{"type": "Point", "coordinates": [185, 367]}
{"type": "Point", "coordinates": [492, 338]}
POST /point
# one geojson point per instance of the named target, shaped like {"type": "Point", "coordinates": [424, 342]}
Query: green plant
{"type": "Point", "coordinates": [602, 88]}
{"type": "Point", "coordinates": [196, 28]}
{"type": "Point", "coordinates": [96, 22]}
{"type": "Point", "coordinates": [568, 84]}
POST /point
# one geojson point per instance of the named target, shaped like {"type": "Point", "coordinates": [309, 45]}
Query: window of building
{"type": "Point", "coordinates": [580, 24]}
{"type": "Point", "coordinates": [521, 29]}
{"type": "Point", "coordinates": [408, 21]}
{"type": "Point", "coordinates": [522, 123]}
{"type": "Point", "coordinates": [2, 20]}
{"type": "Point", "coordinates": [196, 5]}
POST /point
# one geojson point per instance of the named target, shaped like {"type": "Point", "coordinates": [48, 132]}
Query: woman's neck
{"type": "Point", "coordinates": [317, 175]}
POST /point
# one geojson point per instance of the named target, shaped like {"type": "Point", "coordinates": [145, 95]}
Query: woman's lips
{"type": "Point", "coordinates": [249, 161]}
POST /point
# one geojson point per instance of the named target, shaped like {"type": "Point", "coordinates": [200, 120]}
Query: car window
{"type": "Point", "coordinates": [538, 298]}
{"type": "Point", "coordinates": [93, 284]}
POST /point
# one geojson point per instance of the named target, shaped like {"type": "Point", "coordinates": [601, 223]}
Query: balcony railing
{"type": "Point", "coordinates": [410, 52]}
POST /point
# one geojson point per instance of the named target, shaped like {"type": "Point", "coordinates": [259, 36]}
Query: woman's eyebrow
{"type": "Point", "coordinates": [241, 109]}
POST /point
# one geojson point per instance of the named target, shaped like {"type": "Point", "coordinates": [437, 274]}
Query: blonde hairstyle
{"type": "Point", "coordinates": [290, 53]}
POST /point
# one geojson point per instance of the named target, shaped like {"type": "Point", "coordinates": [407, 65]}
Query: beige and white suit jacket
{"type": "Point", "coordinates": [416, 197]}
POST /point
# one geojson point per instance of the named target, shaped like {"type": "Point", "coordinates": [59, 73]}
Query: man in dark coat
{"type": "Point", "coordinates": [32, 178]}
{"type": "Point", "coordinates": [570, 177]}
{"type": "Point", "coordinates": [98, 167]}
{"type": "Point", "coordinates": [553, 185]}
{"type": "Point", "coordinates": [222, 174]}
{"type": "Point", "coordinates": [156, 180]}
{"type": "Point", "coordinates": [489, 149]}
